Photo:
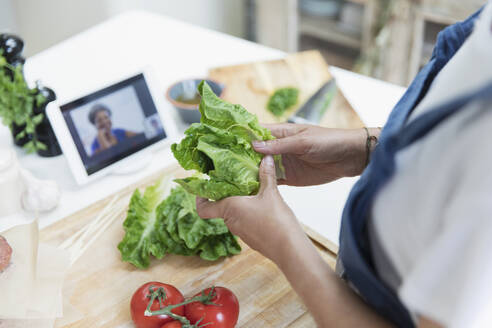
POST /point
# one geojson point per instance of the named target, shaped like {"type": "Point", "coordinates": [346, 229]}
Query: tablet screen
{"type": "Point", "coordinates": [113, 123]}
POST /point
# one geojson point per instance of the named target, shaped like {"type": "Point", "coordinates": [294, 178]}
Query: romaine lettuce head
{"type": "Point", "coordinates": [220, 146]}
{"type": "Point", "coordinates": [160, 222]}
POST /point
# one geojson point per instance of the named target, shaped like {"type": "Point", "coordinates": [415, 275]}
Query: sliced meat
{"type": "Point", "coordinates": [5, 253]}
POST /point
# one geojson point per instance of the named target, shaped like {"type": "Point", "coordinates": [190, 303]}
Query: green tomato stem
{"type": "Point", "coordinates": [153, 294]}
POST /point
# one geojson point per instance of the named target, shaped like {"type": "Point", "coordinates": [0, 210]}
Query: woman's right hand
{"type": "Point", "coordinates": [105, 139]}
{"type": "Point", "coordinates": [315, 155]}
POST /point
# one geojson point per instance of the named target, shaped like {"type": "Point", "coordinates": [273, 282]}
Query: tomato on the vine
{"type": "Point", "coordinates": [223, 313]}
{"type": "Point", "coordinates": [141, 299]}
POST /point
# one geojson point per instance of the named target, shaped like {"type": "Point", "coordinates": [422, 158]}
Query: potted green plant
{"type": "Point", "coordinates": [17, 103]}
{"type": "Point", "coordinates": [22, 109]}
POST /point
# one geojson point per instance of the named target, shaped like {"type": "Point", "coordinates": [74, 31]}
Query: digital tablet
{"type": "Point", "coordinates": [105, 130]}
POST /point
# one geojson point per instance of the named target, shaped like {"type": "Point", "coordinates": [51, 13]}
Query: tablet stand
{"type": "Point", "coordinates": [136, 164]}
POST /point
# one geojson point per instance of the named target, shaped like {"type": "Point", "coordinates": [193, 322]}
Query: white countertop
{"type": "Point", "coordinates": [177, 50]}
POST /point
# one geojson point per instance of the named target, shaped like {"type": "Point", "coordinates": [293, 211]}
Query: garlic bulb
{"type": "Point", "coordinates": [39, 195]}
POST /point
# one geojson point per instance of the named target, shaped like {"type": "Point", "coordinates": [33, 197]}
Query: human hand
{"type": "Point", "coordinates": [315, 155]}
{"type": "Point", "coordinates": [105, 139]}
{"type": "Point", "coordinates": [263, 221]}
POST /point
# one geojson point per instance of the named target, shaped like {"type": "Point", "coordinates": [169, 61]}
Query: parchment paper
{"type": "Point", "coordinates": [31, 286]}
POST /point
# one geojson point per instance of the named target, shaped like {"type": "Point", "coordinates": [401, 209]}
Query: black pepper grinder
{"type": "Point", "coordinates": [12, 47]}
{"type": "Point", "coordinates": [44, 131]}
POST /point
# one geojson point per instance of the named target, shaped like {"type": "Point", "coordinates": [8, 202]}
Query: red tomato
{"type": "Point", "coordinates": [222, 315]}
{"type": "Point", "coordinates": [139, 303]}
{"type": "Point", "coordinates": [172, 324]}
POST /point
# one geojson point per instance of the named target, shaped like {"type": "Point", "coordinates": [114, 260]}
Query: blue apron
{"type": "Point", "coordinates": [354, 257]}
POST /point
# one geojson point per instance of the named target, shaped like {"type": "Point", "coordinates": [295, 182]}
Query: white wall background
{"type": "Point", "coordinates": [42, 23]}
{"type": "Point", "coordinates": [8, 21]}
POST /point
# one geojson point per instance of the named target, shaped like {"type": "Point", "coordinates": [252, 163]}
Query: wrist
{"type": "Point", "coordinates": [295, 246]}
{"type": "Point", "coordinates": [372, 139]}
{"type": "Point", "coordinates": [363, 142]}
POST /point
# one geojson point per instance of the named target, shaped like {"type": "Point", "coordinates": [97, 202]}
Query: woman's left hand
{"type": "Point", "coordinates": [263, 221]}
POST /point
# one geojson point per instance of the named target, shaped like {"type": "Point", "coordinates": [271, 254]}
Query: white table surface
{"type": "Point", "coordinates": [176, 50]}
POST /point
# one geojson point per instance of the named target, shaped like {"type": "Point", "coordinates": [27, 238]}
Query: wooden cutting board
{"type": "Point", "coordinates": [251, 85]}
{"type": "Point", "coordinates": [99, 285]}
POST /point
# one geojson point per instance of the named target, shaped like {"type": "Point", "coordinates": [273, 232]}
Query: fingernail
{"type": "Point", "coordinates": [259, 144]}
{"type": "Point", "coordinates": [200, 200]}
{"type": "Point", "coordinates": [268, 160]}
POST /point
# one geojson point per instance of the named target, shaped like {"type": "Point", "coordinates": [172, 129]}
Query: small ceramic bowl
{"type": "Point", "coordinates": [182, 93]}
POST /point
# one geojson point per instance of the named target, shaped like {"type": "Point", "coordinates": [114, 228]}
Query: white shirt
{"type": "Point", "coordinates": [434, 217]}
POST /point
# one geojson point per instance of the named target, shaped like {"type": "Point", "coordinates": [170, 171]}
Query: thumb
{"type": "Point", "coordinates": [268, 179]}
{"type": "Point", "coordinates": [209, 210]}
{"type": "Point", "coordinates": [288, 145]}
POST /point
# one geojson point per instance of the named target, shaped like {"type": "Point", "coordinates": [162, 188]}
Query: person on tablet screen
{"type": "Point", "coordinates": [107, 136]}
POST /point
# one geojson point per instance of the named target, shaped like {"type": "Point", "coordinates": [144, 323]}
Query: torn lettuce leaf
{"type": "Point", "coordinates": [220, 146]}
{"type": "Point", "coordinates": [162, 222]}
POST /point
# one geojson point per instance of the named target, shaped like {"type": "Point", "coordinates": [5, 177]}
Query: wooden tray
{"type": "Point", "coordinates": [99, 285]}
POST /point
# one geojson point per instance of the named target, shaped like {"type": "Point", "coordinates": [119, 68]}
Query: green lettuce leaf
{"type": "Point", "coordinates": [219, 246]}
{"type": "Point", "coordinates": [162, 221]}
{"type": "Point", "coordinates": [220, 146]}
{"type": "Point", "coordinates": [142, 225]}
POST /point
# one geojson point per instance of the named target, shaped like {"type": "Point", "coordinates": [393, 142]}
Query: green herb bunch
{"type": "Point", "coordinates": [17, 102]}
{"type": "Point", "coordinates": [282, 100]}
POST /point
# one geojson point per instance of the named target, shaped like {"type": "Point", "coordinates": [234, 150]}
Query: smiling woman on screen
{"type": "Point", "coordinates": [107, 137]}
